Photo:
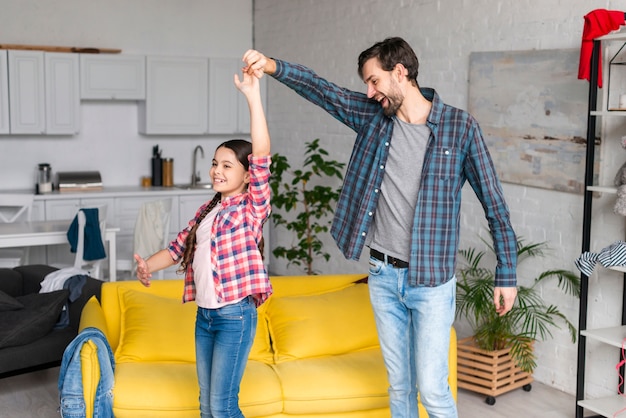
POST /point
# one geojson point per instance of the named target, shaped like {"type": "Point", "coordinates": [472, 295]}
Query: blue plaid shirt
{"type": "Point", "coordinates": [456, 152]}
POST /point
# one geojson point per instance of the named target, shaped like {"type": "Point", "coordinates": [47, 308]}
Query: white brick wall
{"type": "Point", "coordinates": [328, 35]}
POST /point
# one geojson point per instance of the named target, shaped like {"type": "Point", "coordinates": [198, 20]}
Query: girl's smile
{"type": "Point", "coordinates": [228, 175]}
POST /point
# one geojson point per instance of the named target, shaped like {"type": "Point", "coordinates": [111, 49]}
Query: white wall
{"type": "Point", "coordinates": [109, 139]}
{"type": "Point", "coordinates": [328, 36]}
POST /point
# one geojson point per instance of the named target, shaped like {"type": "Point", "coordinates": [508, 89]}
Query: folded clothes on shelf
{"type": "Point", "coordinates": [612, 256]}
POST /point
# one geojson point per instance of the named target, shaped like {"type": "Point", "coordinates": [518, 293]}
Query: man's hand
{"type": "Point", "coordinates": [504, 298]}
{"type": "Point", "coordinates": [258, 64]}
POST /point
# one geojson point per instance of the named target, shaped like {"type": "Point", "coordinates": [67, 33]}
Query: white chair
{"type": "Point", "coordinates": [15, 208]}
{"type": "Point", "coordinates": [93, 267]}
{"type": "Point", "coordinates": [152, 229]}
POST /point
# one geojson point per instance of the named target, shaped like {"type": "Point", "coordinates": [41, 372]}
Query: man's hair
{"type": "Point", "coordinates": [390, 52]}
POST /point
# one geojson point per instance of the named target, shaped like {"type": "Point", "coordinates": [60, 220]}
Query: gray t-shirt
{"type": "Point", "coordinates": [391, 230]}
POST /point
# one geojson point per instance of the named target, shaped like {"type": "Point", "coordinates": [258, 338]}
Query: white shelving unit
{"type": "Point", "coordinates": [613, 336]}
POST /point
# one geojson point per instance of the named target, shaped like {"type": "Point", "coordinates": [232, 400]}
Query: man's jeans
{"type": "Point", "coordinates": [224, 337]}
{"type": "Point", "coordinates": [414, 331]}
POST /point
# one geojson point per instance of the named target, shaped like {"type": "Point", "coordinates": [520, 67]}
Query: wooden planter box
{"type": "Point", "coordinates": [490, 373]}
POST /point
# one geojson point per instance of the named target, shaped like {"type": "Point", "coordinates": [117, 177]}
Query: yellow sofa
{"type": "Point", "coordinates": [315, 354]}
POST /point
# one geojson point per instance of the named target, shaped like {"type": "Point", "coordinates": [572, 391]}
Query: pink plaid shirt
{"type": "Point", "coordinates": [238, 269]}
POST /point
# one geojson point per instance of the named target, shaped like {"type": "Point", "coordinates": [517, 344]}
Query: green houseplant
{"type": "Point", "coordinates": [299, 192]}
{"type": "Point", "coordinates": [530, 319]}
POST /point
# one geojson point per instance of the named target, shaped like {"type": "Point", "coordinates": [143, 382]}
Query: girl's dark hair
{"type": "Point", "coordinates": [390, 52]}
{"type": "Point", "coordinates": [242, 149]}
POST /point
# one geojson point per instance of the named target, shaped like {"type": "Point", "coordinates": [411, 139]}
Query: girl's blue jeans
{"type": "Point", "coordinates": [413, 326]}
{"type": "Point", "coordinates": [224, 337]}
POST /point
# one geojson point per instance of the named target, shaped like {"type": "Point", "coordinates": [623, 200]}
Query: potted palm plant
{"type": "Point", "coordinates": [499, 356]}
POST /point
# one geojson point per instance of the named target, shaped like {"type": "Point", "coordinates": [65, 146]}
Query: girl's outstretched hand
{"type": "Point", "coordinates": [247, 84]}
{"type": "Point", "coordinates": [143, 274]}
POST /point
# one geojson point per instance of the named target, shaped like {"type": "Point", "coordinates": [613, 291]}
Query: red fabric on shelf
{"type": "Point", "coordinates": [598, 22]}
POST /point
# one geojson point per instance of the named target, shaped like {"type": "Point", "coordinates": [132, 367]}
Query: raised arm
{"type": "Point", "coordinates": [249, 85]}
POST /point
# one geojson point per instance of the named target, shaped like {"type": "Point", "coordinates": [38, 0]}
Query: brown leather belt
{"type": "Point", "coordinates": [396, 262]}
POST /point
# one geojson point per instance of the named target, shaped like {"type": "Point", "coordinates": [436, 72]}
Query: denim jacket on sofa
{"type": "Point", "coordinates": [71, 381]}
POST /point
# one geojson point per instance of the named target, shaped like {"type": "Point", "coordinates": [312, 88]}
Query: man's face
{"type": "Point", "coordinates": [383, 86]}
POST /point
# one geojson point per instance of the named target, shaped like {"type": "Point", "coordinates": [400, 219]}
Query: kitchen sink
{"type": "Point", "coordinates": [194, 186]}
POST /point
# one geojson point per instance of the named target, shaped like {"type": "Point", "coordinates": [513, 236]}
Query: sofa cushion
{"type": "Point", "coordinates": [36, 319]}
{"type": "Point", "coordinates": [261, 393]}
{"type": "Point", "coordinates": [309, 326]}
{"type": "Point", "coordinates": [335, 384]}
{"type": "Point", "coordinates": [155, 328]}
{"type": "Point", "coordinates": [155, 390]}
{"type": "Point", "coordinates": [9, 303]}
{"type": "Point", "coordinates": [262, 347]}
{"type": "Point", "coordinates": [171, 390]}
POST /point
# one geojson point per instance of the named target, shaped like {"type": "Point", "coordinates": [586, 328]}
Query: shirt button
{"type": "Point", "coordinates": [386, 144]}
{"type": "Point", "coordinates": [370, 213]}
{"type": "Point", "coordinates": [363, 234]}
{"type": "Point", "coordinates": [375, 190]}
{"type": "Point", "coordinates": [382, 167]}
{"type": "Point", "coordinates": [446, 152]}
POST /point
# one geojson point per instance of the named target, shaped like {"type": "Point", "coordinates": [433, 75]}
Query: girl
{"type": "Point", "coordinates": [219, 253]}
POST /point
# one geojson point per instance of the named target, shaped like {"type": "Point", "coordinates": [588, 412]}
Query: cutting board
{"type": "Point", "coordinates": [61, 49]}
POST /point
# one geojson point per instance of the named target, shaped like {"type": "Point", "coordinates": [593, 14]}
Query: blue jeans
{"type": "Point", "coordinates": [71, 381]}
{"type": "Point", "coordinates": [224, 337]}
{"type": "Point", "coordinates": [413, 326]}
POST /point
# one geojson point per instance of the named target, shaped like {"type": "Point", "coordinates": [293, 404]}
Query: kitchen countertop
{"type": "Point", "coordinates": [117, 191]}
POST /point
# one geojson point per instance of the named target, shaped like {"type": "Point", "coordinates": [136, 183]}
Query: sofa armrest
{"type": "Point", "coordinates": [453, 364]}
{"type": "Point", "coordinates": [90, 372]}
{"type": "Point", "coordinates": [93, 316]}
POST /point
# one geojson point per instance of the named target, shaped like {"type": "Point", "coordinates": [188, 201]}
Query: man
{"type": "Point", "coordinates": [402, 197]}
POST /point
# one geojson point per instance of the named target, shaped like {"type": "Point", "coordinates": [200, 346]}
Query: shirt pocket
{"type": "Point", "coordinates": [442, 179]}
{"type": "Point", "coordinates": [230, 219]}
{"type": "Point", "coordinates": [445, 163]}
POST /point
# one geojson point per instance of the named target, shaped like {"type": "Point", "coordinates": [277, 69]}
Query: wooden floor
{"type": "Point", "coordinates": [36, 395]}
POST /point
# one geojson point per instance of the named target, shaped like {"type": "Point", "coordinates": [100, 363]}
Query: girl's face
{"type": "Point", "coordinates": [228, 175]}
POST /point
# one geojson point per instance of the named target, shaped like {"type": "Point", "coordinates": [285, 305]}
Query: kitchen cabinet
{"type": "Point", "coordinates": [43, 93]}
{"type": "Point", "coordinates": [176, 96]}
{"type": "Point", "coordinates": [607, 406]}
{"type": "Point", "coordinates": [62, 94]}
{"type": "Point", "coordinates": [228, 109]}
{"type": "Point", "coordinates": [112, 77]}
{"type": "Point", "coordinates": [4, 93]}
{"type": "Point", "coordinates": [26, 92]}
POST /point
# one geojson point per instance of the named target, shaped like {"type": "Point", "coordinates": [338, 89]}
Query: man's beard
{"type": "Point", "coordinates": [394, 101]}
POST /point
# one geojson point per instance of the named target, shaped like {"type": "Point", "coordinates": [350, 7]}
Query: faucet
{"type": "Point", "coordinates": [195, 177]}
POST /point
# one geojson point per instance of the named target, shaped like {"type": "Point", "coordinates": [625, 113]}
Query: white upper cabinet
{"type": "Point", "coordinates": [26, 92]}
{"type": "Point", "coordinates": [228, 109]}
{"type": "Point", "coordinates": [112, 77]}
{"type": "Point", "coordinates": [4, 93]}
{"type": "Point", "coordinates": [176, 97]}
{"type": "Point", "coordinates": [62, 93]}
{"type": "Point", "coordinates": [223, 103]}
{"type": "Point", "coordinates": [43, 93]}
